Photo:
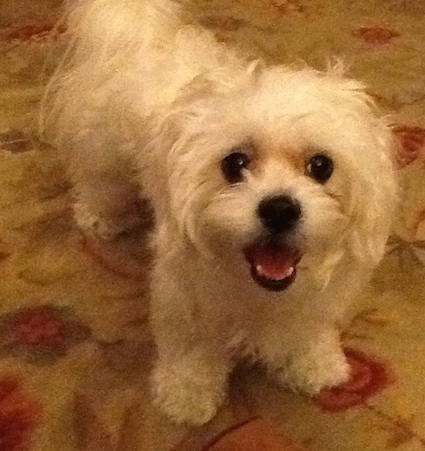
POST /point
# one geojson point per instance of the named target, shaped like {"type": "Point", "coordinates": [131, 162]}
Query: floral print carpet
{"type": "Point", "coordinates": [75, 349]}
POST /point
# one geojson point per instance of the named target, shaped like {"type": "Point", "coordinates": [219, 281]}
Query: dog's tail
{"type": "Point", "coordinates": [124, 24]}
{"type": "Point", "coordinates": [104, 35]}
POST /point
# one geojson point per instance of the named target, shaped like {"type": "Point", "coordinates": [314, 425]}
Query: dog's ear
{"type": "Point", "coordinates": [370, 168]}
{"type": "Point", "coordinates": [374, 195]}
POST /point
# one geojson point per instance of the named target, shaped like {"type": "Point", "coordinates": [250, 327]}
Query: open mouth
{"type": "Point", "coordinates": [273, 264]}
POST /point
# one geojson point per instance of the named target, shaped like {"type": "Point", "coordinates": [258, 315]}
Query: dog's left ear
{"type": "Point", "coordinates": [370, 165]}
{"type": "Point", "coordinates": [374, 201]}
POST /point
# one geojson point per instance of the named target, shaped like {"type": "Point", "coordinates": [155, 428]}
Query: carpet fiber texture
{"type": "Point", "coordinates": [75, 349]}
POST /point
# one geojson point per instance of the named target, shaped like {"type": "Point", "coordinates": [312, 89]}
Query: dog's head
{"type": "Point", "coordinates": [275, 171]}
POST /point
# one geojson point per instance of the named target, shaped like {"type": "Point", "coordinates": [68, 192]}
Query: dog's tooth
{"type": "Point", "coordinates": [290, 271]}
{"type": "Point", "coordinates": [260, 270]}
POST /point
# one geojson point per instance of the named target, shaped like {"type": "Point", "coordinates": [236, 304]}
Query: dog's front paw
{"type": "Point", "coordinates": [314, 371]}
{"type": "Point", "coordinates": [186, 396]}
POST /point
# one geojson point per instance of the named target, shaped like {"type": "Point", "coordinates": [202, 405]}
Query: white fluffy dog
{"type": "Point", "coordinates": [272, 190]}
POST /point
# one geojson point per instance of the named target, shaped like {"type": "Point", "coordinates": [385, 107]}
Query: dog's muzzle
{"type": "Point", "coordinates": [274, 262]}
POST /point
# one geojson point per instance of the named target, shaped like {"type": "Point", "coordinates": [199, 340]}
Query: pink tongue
{"type": "Point", "coordinates": [273, 262]}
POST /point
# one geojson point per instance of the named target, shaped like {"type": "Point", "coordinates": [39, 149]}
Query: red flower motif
{"type": "Point", "coordinates": [115, 260]}
{"type": "Point", "coordinates": [254, 435]}
{"type": "Point", "coordinates": [412, 142]}
{"type": "Point", "coordinates": [40, 334]}
{"type": "Point", "coordinates": [40, 328]}
{"type": "Point", "coordinates": [376, 35]}
{"type": "Point", "coordinates": [285, 6]}
{"type": "Point", "coordinates": [368, 378]}
{"type": "Point", "coordinates": [223, 23]}
{"type": "Point", "coordinates": [32, 32]}
{"type": "Point", "coordinates": [19, 416]}
{"type": "Point", "coordinates": [5, 250]}
{"type": "Point", "coordinates": [16, 141]}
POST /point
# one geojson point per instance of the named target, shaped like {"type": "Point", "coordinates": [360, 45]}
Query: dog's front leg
{"type": "Point", "coordinates": [308, 360]}
{"type": "Point", "coordinates": [190, 387]}
{"type": "Point", "coordinates": [191, 372]}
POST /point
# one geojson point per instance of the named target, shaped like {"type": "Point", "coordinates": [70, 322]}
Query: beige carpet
{"type": "Point", "coordinates": [74, 343]}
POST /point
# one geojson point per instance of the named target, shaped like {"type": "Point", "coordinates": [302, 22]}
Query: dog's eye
{"type": "Point", "coordinates": [320, 167]}
{"type": "Point", "coordinates": [233, 166]}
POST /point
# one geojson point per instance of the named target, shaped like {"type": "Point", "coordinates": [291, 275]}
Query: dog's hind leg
{"type": "Point", "coordinates": [106, 197]}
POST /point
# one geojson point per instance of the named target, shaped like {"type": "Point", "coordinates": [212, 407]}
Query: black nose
{"type": "Point", "coordinates": [279, 213]}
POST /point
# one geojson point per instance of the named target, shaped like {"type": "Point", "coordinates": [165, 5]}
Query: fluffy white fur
{"type": "Point", "coordinates": [145, 105]}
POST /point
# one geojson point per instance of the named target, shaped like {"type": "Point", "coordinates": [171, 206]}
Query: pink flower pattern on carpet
{"type": "Point", "coordinates": [369, 377]}
{"type": "Point", "coordinates": [42, 338]}
{"type": "Point", "coordinates": [376, 35]}
{"type": "Point", "coordinates": [31, 32]}
{"type": "Point", "coordinates": [42, 334]}
{"type": "Point", "coordinates": [20, 414]}
{"type": "Point", "coordinates": [411, 144]}
{"type": "Point", "coordinates": [113, 259]}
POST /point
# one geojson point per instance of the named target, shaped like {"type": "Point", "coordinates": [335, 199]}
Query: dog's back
{"type": "Point", "coordinates": [123, 54]}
